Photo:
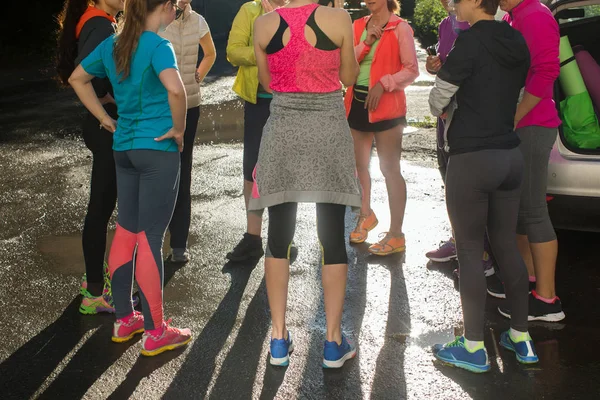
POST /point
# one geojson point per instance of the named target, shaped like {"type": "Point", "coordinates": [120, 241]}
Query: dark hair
{"type": "Point", "coordinates": [490, 7]}
{"type": "Point", "coordinates": [393, 5]}
{"type": "Point", "coordinates": [130, 30]}
{"type": "Point", "coordinates": [66, 50]}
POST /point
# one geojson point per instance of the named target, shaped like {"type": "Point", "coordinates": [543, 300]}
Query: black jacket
{"type": "Point", "coordinates": [479, 85]}
{"type": "Point", "coordinates": [94, 32]}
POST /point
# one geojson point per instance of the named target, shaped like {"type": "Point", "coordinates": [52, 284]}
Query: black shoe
{"type": "Point", "coordinates": [495, 287]}
{"type": "Point", "coordinates": [249, 248]}
{"type": "Point", "coordinates": [539, 310]}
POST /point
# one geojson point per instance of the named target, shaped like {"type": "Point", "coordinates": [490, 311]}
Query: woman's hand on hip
{"type": "Point", "coordinates": [174, 134]}
{"type": "Point", "coordinates": [375, 93]}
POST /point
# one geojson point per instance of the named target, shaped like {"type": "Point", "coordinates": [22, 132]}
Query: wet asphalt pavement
{"type": "Point", "coordinates": [396, 307]}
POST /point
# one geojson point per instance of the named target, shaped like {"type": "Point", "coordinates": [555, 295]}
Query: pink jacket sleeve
{"type": "Point", "coordinates": [361, 50]}
{"type": "Point", "coordinates": [543, 38]}
{"type": "Point", "coordinates": [408, 56]}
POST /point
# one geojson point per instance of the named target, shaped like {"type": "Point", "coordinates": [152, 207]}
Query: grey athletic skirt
{"type": "Point", "coordinates": [306, 153]}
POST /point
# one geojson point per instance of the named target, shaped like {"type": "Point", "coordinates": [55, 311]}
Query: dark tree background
{"type": "Point", "coordinates": [28, 31]}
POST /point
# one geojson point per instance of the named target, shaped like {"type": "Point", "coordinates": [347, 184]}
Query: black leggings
{"type": "Point", "coordinates": [103, 195]}
{"type": "Point", "coordinates": [484, 188]}
{"type": "Point", "coordinates": [330, 228]}
{"type": "Point", "coordinates": [180, 223]}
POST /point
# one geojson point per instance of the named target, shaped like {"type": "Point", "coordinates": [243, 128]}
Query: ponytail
{"type": "Point", "coordinates": [131, 28]}
{"type": "Point", "coordinates": [66, 51]}
{"type": "Point", "coordinates": [393, 6]}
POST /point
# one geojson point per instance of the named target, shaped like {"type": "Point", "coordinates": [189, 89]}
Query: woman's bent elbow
{"type": "Point", "coordinates": [177, 91]}
{"type": "Point", "coordinates": [349, 79]}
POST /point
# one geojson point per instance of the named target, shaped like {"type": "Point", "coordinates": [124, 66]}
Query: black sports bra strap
{"type": "Point", "coordinates": [276, 43]}
{"type": "Point", "coordinates": [323, 41]}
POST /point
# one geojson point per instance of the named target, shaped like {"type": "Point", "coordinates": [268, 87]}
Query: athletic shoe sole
{"type": "Point", "coordinates": [126, 338]}
{"type": "Point", "coordinates": [478, 369]}
{"type": "Point", "coordinates": [95, 310]}
{"type": "Point", "coordinates": [177, 260]}
{"type": "Point", "coordinates": [283, 361]}
{"type": "Point", "coordinates": [398, 250]}
{"type": "Point", "coordinates": [442, 260]}
{"type": "Point", "coordinates": [497, 295]}
{"type": "Point", "coordinates": [556, 317]}
{"type": "Point", "coordinates": [522, 360]}
{"type": "Point", "coordinates": [339, 363]}
{"type": "Point", "coordinates": [248, 256]}
{"type": "Point", "coordinates": [152, 353]}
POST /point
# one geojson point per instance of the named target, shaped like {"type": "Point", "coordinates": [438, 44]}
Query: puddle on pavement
{"type": "Point", "coordinates": [221, 122]}
{"type": "Point", "coordinates": [224, 122]}
{"type": "Point", "coordinates": [64, 254]}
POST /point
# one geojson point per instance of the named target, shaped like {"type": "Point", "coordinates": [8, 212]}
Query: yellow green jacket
{"type": "Point", "coordinates": [240, 50]}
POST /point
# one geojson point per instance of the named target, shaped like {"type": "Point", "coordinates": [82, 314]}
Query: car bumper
{"type": "Point", "coordinates": [571, 174]}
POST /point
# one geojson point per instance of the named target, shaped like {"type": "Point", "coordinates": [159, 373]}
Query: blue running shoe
{"type": "Point", "coordinates": [456, 354]}
{"type": "Point", "coordinates": [280, 351]}
{"type": "Point", "coordinates": [335, 355]}
{"type": "Point", "coordinates": [523, 348]}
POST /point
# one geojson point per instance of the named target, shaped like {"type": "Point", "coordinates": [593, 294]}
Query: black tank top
{"type": "Point", "coordinates": [323, 41]}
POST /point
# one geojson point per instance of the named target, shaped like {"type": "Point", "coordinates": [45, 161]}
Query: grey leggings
{"type": "Point", "coordinates": [147, 184]}
{"type": "Point", "coordinates": [483, 189]}
{"type": "Point", "coordinates": [534, 221]}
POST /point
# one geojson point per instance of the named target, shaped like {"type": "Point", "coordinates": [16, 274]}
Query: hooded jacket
{"type": "Point", "coordinates": [479, 85]}
{"type": "Point", "coordinates": [394, 65]}
{"type": "Point", "coordinates": [240, 50]}
{"type": "Point", "coordinates": [93, 28]}
{"type": "Point", "coordinates": [541, 32]}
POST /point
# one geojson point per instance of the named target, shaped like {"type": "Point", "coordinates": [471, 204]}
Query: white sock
{"type": "Point", "coordinates": [474, 345]}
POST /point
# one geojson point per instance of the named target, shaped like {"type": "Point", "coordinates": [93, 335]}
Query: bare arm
{"type": "Point", "coordinates": [171, 80]}
{"type": "Point", "coordinates": [81, 82]}
{"type": "Point", "coordinates": [349, 68]}
{"type": "Point", "coordinates": [260, 45]}
{"type": "Point", "coordinates": [210, 55]}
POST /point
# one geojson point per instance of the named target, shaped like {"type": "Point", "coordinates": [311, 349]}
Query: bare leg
{"type": "Point", "coordinates": [544, 259]}
{"type": "Point", "coordinates": [334, 288]}
{"type": "Point", "coordinates": [277, 275]}
{"type": "Point", "coordinates": [363, 142]}
{"type": "Point", "coordinates": [253, 218]}
{"type": "Point", "coordinates": [389, 149]}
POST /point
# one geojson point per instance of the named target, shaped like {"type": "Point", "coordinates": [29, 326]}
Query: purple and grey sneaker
{"type": "Point", "coordinates": [446, 252]}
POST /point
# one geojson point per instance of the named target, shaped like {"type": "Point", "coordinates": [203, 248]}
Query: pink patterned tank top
{"type": "Point", "coordinates": [299, 67]}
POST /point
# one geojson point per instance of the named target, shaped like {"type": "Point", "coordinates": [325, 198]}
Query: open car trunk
{"type": "Point", "coordinates": [580, 21]}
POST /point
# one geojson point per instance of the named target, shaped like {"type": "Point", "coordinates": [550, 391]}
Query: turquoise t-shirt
{"type": "Point", "coordinates": [142, 100]}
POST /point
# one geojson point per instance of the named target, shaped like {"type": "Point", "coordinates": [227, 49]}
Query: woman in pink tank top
{"type": "Point", "coordinates": [303, 51]}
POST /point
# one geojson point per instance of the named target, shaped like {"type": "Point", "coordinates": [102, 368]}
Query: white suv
{"type": "Point", "coordinates": [574, 174]}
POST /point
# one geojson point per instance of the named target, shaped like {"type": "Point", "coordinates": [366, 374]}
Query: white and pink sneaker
{"type": "Point", "coordinates": [171, 338]}
{"type": "Point", "coordinates": [125, 331]}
